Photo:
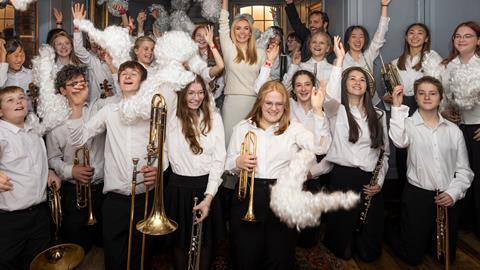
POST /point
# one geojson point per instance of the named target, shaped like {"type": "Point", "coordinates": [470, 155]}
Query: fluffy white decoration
{"type": "Point", "coordinates": [211, 9]}
{"type": "Point", "coordinates": [171, 50]}
{"type": "Point", "coordinates": [53, 108]}
{"type": "Point", "coordinates": [114, 39]}
{"type": "Point", "coordinates": [162, 23]}
{"type": "Point", "coordinates": [183, 5]}
{"type": "Point", "coordinates": [431, 64]}
{"type": "Point", "coordinates": [21, 4]}
{"type": "Point", "coordinates": [33, 121]}
{"type": "Point", "coordinates": [179, 21]}
{"type": "Point", "coordinates": [114, 12]}
{"type": "Point", "coordinates": [465, 85]}
{"type": "Point", "coordinates": [300, 209]}
{"type": "Point", "coordinates": [263, 40]}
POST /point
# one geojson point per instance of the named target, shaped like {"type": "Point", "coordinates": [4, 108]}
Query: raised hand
{"type": "Point", "coordinates": [141, 17]}
{"type": "Point", "coordinates": [338, 48]}
{"type": "Point", "coordinates": [209, 35]}
{"type": "Point", "coordinates": [78, 12]}
{"type": "Point", "coordinates": [58, 16]}
{"type": "Point", "coordinates": [385, 2]}
{"type": "Point", "coordinates": [318, 97]}
{"type": "Point", "coordinates": [397, 96]}
{"type": "Point", "coordinates": [272, 52]}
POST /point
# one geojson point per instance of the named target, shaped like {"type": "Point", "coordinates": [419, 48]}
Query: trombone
{"type": "Point", "coordinates": [249, 142]}
{"type": "Point", "coordinates": [441, 237]}
{"type": "Point", "coordinates": [157, 222]}
{"type": "Point", "coordinates": [59, 256]}
{"type": "Point", "coordinates": [84, 191]}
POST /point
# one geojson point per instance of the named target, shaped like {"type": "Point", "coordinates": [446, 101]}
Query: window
{"type": "Point", "coordinates": [261, 15]}
{"type": "Point", "coordinates": [7, 18]}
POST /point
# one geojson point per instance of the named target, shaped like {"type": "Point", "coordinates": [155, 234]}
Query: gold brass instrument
{"type": "Point", "coordinates": [60, 256]}
{"type": "Point", "coordinates": [84, 191]}
{"type": "Point", "coordinates": [390, 76]}
{"type": "Point", "coordinates": [157, 222]}
{"type": "Point", "coordinates": [441, 237]}
{"type": "Point", "coordinates": [33, 92]}
{"type": "Point", "coordinates": [195, 242]}
{"type": "Point", "coordinates": [107, 89]}
{"type": "Point", "coordinates": [249, 146]}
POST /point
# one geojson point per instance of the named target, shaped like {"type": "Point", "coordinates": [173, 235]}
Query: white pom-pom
{"type": "Point", "coordinates": [114, 39]}
{"type": "Point", "coordinates": [465, 85]}
{"type": "Point", "coordinates": [116, 12]}
{"type": "Point", "coordinates": [300, 209]}
{"type": "Point", "coordinates": [52, 108]}
{"type": "Point", "coordinates": [183, 5]}
{"type": "Point", "coordinates": [264, 39]}
{"type": "Point", "coordinates": [21, 4]}
{"type": "Point", "coordinates": [179, 21]}
{"type": "Point", "coordinates": [211, 9]}
{"type": "Point", "coordinates": [175, 46]}
{"type": "Point", "coordinates": [431, 64]}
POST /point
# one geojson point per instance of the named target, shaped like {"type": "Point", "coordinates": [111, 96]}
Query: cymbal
{"type": "Point", "coordinates": [58, 257]}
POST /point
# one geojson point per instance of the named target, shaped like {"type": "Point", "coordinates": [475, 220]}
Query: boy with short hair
{"type": "Point", "coordinates": [24, 175]}
{"type": "Point", "coordinates": [437, 161]}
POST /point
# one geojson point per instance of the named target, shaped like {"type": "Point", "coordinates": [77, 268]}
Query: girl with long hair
{"type": "Point", "coordinates": [62, 44]}
{"type": "Point", "coordinates": [196, 150]}
{"type": "Point", "coordinates": [269, 243]}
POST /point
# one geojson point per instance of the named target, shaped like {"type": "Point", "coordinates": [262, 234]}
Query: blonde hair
{"type": "Point", "coordinates": [251, 57]}
{"type": "Point", "coordinates": [256, 112]}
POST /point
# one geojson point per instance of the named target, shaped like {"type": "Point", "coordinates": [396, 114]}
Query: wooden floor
{"type": "Point", "coordinates": [468, 257]}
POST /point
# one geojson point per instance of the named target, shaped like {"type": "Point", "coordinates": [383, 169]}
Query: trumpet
{"type": "Point", "coordinates": [84, 191]}
{"type": "Point", "coordinates": [195, 242]}
{"type": "Point", "coordinates": [157, 222]}
{"type": "Point", "coordinates": [390, 76]}
{"type": "Point", "coordinates": [60, 256]}
{"type": "Point", "coordinates": [249, 142]}
{"type": "Point", "coordinates": [441, 237]}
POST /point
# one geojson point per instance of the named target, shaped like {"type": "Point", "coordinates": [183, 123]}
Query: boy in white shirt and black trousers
{"type": "Point", "coordinates": [437, 161]}
{"type": "Point", "coordinates": [123, 142]}
{"type": "Point", "coordinates": [24, 174]}
{"type": "Point", "coordinates": [71, 81]}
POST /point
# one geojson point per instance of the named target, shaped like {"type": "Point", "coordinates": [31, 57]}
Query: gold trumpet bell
{"type": "Point", "coordinates": [157, 224]}
{"type": "Point", "coordinates": [58, 257]}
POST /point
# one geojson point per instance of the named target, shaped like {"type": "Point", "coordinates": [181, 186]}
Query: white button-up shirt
{"type": "Point", "coordinates": [274, 152]}
{"type": "Point", "coordinates": [211, 161]}
{"type": "Point", "coordinates": [23, 158]}
{"type": "Point", "coordinates": [437, 157]}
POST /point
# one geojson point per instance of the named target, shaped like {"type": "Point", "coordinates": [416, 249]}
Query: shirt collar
{"type": "Point", "coordinates": [12, 127]}
{"type": "Point", "coordinates": [22, 70]}
{"type": "Point", "coordinates": [272, 128]}
{"type": "Point", "coordinates": [418, 120]}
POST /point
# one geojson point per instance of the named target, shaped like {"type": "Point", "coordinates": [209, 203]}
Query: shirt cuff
{"type": "Point", "coordinates": [67, 171]}
{"type": "Point", "coordinates": [400, 112]}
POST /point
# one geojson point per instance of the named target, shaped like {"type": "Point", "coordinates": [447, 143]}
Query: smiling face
{"type": "Point", "coordinates": [14, 107]}
{"type": "Point", "coordinates": [199, 38]}
{"type": "Point", "coordinates": [144, 52]}
{"type": "Point", "coordinates": [356, 40]}
{"type": "Point", "coordinates": [62, 46]}
{"type": "Point", "coordinates": [315, 23]}
{"type": "Point", "coordinates": [319, 45]}
{"type": "Point", "coordinates": [303, 88]}
{"type": "Point", "coordinates": [273, 108]}
{"type": "Point", "coordinates": [75, 90]}
{"type": "Point", "coordinates": [242, 32]}
{"type": "Point", "coordinates": [428, 97]}
{"type": "Point", "coordinates": [16, 59]}
{"type": "Point", "coordinates": [129, 81]}
{"type": "Point", "coordinates": [195, 96]}
{"type": "Point", "coordinates": [356, 83]}
{"type": "Point", "coordinates": [466, 40]}
{"type": "Point", "coordinates": [293, 44]}
{"type": "Point", "coordinates": [416, 36]}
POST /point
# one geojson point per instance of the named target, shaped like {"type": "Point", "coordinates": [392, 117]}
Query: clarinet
{"type": "Point", "coordinates": [195, 242]}
{"type": "Point", "coordinates": [368, 200]}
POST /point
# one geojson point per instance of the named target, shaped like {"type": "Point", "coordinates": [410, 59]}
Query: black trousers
{"type": "Point", "coordinates": [265, 244]}
{"type": "Point", "coordinates": [23, 234]}
{"type": "Point", "coordinates": [471, 204]}
{"type": "Point", "coordinates": [417, 226]}
{"type": "Point", "coordinates": [74, 228]}
{"type": "Point", "coordinates": [116, 222]}
{"type": "Point", "coordinates": [341, 236]}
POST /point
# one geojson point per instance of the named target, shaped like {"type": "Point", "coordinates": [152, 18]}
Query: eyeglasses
{"type": "Point", "coordinates": [466, 36]}
{"type": "Point", "coordinates": [75, 83]}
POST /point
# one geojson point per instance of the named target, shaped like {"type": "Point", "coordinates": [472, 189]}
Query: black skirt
{"type": "Point", "coordinates": [179, 195]}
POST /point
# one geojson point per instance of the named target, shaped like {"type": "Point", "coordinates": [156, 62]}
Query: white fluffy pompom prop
{"type": "Point", "coordinates": [300, 209]}
{"type": "Point", "coordinates": [123, 4]}
{"type": "Point", "coordinates": [53, 108]}
{"type": "Point", "coordinates": [465, 85]}
{"type": "Point", "coordinates": [173, 49]}
{"type": "Point", "coordinates": [264, 39]}
{"type": "Point", "coordinates": [114, 39]}
{"type": "Point", "coordinates": [21, 4]}
{"type": "Point", "coordinates": [431, 64]}
{"type": "Point", "coordinates": [180, 5]}
{"type": "Point", "coordinates": [211, 9]}
{"type": "Point", "coordinates": [179, 21]}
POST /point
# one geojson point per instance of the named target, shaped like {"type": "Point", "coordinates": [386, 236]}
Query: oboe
{"type": "Point", "coordinates": [195, 242]}
{"type": "Point", "coordinates": [367, 199]}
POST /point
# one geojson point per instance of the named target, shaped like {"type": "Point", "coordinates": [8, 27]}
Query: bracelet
{"type": "Point", "coordinates": [213, 46]}
{"type": "Point", "coordinates": [268, 63]}
{"type": "Point", "coordinates": [122, 10]}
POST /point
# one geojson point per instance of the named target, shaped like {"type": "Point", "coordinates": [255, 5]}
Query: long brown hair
{"type": "Point", "coordinates": [73, 58]}
{"type": "Point", "coordinates": [187, 117]}
{"type": "Point", "coordinates": [406, 48]}
{"type": "Point", "coordinates": [251, 55]}
{"type": "Point", "coordinates": [256, 112]}
{"type": "Point", "coordinates": [373, 119]}
{"type": "Point", "coordinates": [137, 44]}
{"type": "Point", "coordinates": [453, 51]}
